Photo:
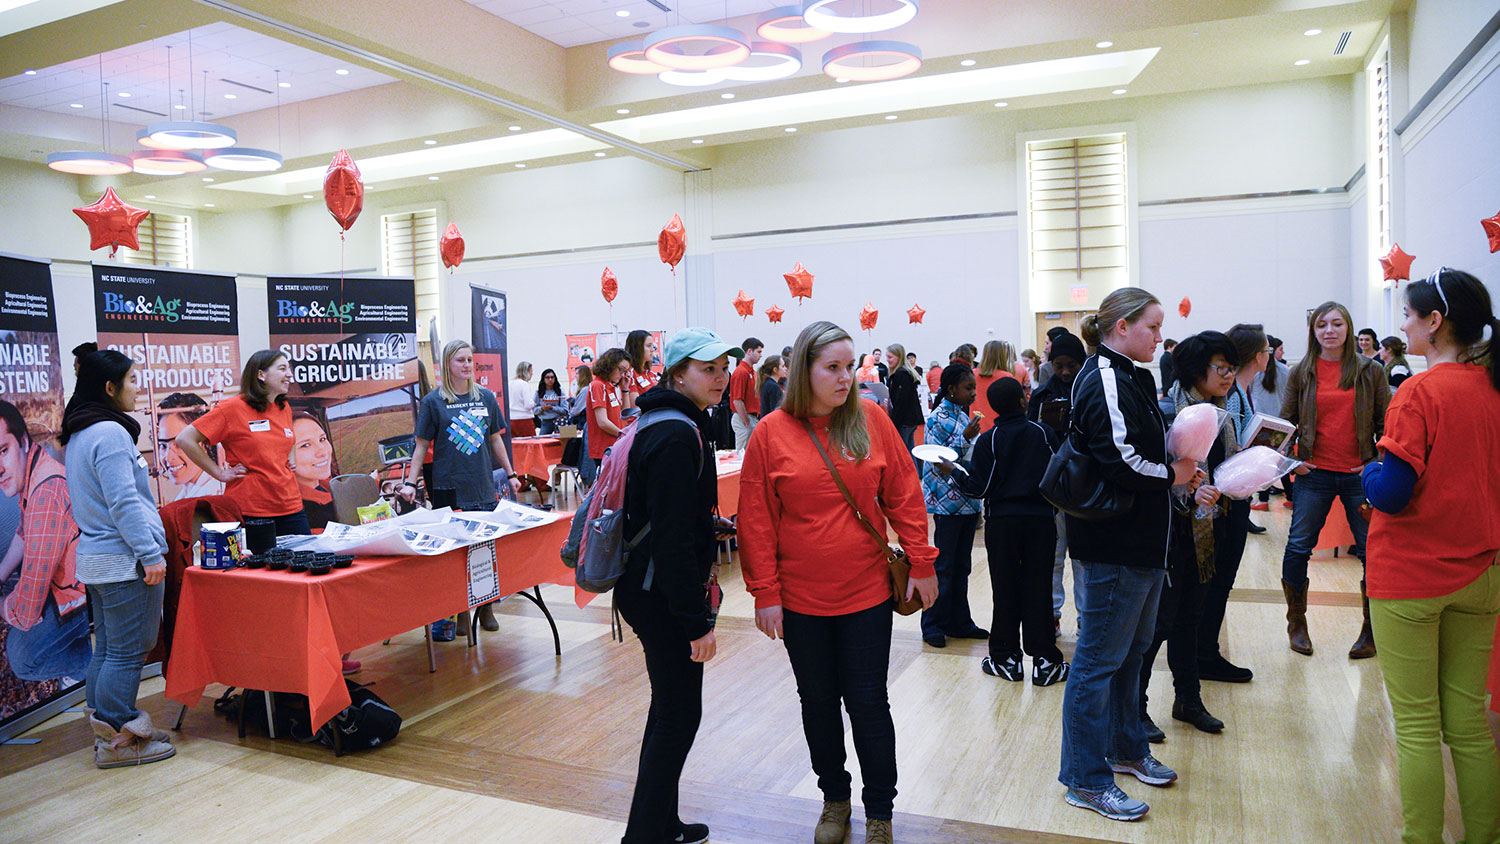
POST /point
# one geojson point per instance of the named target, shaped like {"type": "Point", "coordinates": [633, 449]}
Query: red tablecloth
{"type": "Point", "coordinates": [276, 631]}
{"type": "Point", "coordinates": [536, 456]}
{"type": "Point", "coordinates": [729, 494]}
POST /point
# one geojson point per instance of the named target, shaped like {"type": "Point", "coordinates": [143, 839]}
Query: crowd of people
{"type": "Point", "coordinates": [827, 435]}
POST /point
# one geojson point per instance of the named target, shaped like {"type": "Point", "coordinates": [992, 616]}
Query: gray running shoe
{"type": "Point", "coordinates": [1111, 803]}
{"type": "Point", "coordinates": [1147, 769]}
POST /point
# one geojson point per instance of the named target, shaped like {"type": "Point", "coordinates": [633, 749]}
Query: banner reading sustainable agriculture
{"type": "Point", "coordinates": [182, 330]}
{"type": "Point", "coordinates": [44, 625]}
{"type": "Point", "coordinates": [352, 344]}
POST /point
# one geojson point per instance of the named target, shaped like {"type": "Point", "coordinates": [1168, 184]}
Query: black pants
{"type": "Point", "coordinates": [844, 659]}
{"type": "Point", "coordinates": [1020, 552]}
{"type": "Point", "coordinates": [954, 538]}
{"type": "Point", "coordinates": [1177, 620]}
{"type": "Point", "coordinates": [1226, 565]}
{"type": "Point", "coordinates": [671, 724]}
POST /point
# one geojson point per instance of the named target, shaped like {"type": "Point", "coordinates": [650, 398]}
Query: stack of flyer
{"type": "Point", "coordinates": [428, 532]}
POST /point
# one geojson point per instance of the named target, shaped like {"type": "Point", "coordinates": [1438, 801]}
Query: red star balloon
{"type": "Point", "coordinates": [111, 222]}
{"type": "Point", "coordinates": [343, 190]}
{"type": "Point", "coordinates": [799, 281]}
{"type": "Point", "coordinates": [914, 314]}
{"type": "Point", "coordinates": [1492, 228]}
{"type": "Point", "coordinates": [1397, 264]}
{"type": "Point", "coordinates": [608, 285]}
{"type": "Point", "coordinates": [867, 317]}
{"type": "Point", "coordinates": [451, 245]}
{"type": "Point", "coordinates": [774, 313]}
{"type": "Point", "coordinates": [672, 243]}
{"type": "Point", "coordinates": [1184, 307]}
{"type": "Point", "coordinates": [744, 305]}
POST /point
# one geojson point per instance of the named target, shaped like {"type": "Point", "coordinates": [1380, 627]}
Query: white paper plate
{"type": "Point", "coordinates": [932, 453]}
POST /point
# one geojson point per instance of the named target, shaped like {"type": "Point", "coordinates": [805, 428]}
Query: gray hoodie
{"type": "Point", "coordinates": [118, 526]}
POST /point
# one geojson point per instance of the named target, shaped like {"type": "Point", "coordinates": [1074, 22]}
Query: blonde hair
{"type": "Point", "coordinates": [998, 355]}
{"type": "Point", "coordinates": [846, 427]}
{"type": "Point", "coordinates": [1127, 303]}
{"type": "Point", "coordinates": [445, 388]}
{"type": "Point", "coordinates": [901, 362]}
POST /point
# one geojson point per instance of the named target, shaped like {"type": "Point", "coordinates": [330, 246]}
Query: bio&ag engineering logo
{"type": "Point", "coordinates": [166, 310]}
{"type": "Point", "coordinates": [332, 312]}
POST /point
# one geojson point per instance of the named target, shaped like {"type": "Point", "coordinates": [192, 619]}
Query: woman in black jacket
{"type": "Point", "coordinates": [906, 407]}
{"type": "Point", "coordinates": [668, 595]}
{"type": "Point", "coordinates": [1119, 563]}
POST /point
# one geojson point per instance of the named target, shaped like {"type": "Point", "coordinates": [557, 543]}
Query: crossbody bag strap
{"type": "Point", "coordinates": [890, 553]}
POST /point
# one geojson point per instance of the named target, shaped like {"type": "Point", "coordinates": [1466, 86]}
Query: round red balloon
{"type": "Point", "coordinates": [1184, 307]}
{"type": "Point", "coordinates": [451, 246]}
{"type": "Point", "coordinates": [343, 190]}
{"type": "Point", "coordinates": [609, 285]}
{"type": "Point", "coordinates": [672, 242]}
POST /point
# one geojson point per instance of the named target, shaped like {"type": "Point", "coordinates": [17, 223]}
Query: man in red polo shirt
{"type": "Point", "coordinates": [744, 399]}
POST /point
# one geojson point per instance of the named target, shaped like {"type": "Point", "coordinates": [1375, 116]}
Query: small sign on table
{"type": "Point", "coordinates": [484, 583]}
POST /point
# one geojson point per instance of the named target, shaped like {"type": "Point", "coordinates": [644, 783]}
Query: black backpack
{"type": "Point", "coordinates": [367, 722]}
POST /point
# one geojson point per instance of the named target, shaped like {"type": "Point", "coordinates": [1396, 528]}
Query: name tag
{"type": "Point", "coordinates": [260, 426]}
{"type": "Point", "coordinates": [479, 411]}
{"type": "Point", "coordinates": [140, 460]}
{"type": "Point", "coordinates": [288, 432]}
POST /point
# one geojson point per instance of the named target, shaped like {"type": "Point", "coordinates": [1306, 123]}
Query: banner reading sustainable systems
{"type": "Point", "coordinates": [352, 344]}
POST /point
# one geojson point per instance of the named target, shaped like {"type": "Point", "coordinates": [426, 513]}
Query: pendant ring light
{"type": "Point", "coordinates": [697, 47]}
{"type": "Point", "coordinates": [191, 134]}
{"type": "Point", "coordinates": [630, 57]}
{"type": "Point", "coordinates": [166, 162]}
{"type": "Point", "coordinates": [777, 61]}
{"type": "Point", "coordinates": [818, 16]}
{"type": "Point", "coordinates": [786, 25]}
{"type": "Point", "coordinates": [844, 62]}
{"type": "Point", "coordinates": [243, 159]}
{"type": "Point", "coordinates": [89, 163]}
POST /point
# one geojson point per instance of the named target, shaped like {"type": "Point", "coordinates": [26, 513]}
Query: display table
{"type": "Point", "coordinates": [729, 491]}
{"type": "Point", "coordinates": [535, 456]}
{"type": "Point", "coordinates": [283, 632]}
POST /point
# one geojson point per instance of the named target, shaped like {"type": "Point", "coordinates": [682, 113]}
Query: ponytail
{"type": "Point", "coordinates": [1491, 353]}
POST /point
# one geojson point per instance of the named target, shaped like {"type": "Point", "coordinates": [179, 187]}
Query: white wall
{"type": "Point", "coordinates": [1439, 30]}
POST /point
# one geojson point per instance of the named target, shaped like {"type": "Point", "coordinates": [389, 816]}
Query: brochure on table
{"type": "Point", "coordinates": [427, 532]}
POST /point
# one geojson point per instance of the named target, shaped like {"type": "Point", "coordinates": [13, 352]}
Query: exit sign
{"type": "Point", "coordinates": [1078, 294]}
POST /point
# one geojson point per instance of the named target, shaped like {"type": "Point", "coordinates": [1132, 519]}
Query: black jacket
{"type": "Point", "coordinates": [1120, 425]}
{"type": "Point", "coordinates": [677, 492]}
{"type": "Point", "coordinates": [906, 407]}
{"type": "Point", "coordinates": [1007, 466]}
{"type": "Point", "coordinates": [1053, 389]}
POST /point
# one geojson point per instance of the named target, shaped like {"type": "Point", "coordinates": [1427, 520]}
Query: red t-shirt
{"type": "Point", "coordinates": [1445, 422]}
{"type": "Point", "coordinates": [603, 395]}
{"type": "Point", "coordinates": [934, 379]}
{"type": "Point", "coordinates": [641, 382]}
{"type": "Point", "coordinates": [261, 441]}
{"type": "Point", "coordinates": [1334, 445]}
{"type": "Point", "coordinates": [742, 388]}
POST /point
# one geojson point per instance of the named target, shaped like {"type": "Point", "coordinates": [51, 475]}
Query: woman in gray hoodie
{"type": "Point", "coordinates": [121, 548]}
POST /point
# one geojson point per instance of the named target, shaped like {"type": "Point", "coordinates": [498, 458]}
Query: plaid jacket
{"type": "Point", "coordinates": [946, 427]}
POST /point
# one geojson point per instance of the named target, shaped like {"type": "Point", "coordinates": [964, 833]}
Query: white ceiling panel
{"type": "Point", "coordinates": [225, 51]}
{"type": "Point", "coordinates": [569, 23]}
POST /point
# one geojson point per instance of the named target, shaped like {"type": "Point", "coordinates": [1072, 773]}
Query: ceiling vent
{"type": "Point", "coordinates": [1338, 49]}
{"type": "Point", "coordinates": [243, 85]}
{"type": "Point", "coordinates": [135, 108]}
{"type": "Point", "coordinates": [658, 5]}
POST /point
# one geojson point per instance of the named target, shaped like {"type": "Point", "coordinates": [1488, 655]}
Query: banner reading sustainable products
{"type": "Point", "coordinates": [352, 344]}
{"type": "Point", "coordinates": [44, 626]}
{"type": "Point", "coordinates": [182, 330]}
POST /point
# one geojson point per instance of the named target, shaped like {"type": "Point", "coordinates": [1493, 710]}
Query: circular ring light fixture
{"type": "Point", "coordinates": [191, 134]}
{"type": "Point", "coordinates": [166, 162]}
{"type": "Point", "coordinates": [692, 78]}
{"type": "Point", "coordinates": [893, 60]}
{"type": "Point", "coordinates": [243, 159]}
{"type": "Point", "coordinates": [143, 139]}
{"type": "Point", "coordinates": [697, 47]}
{"type": "Point", "coordinates": [768, 61]}
{"type": "Point", "coordinates": [630, 57]}
{"type": "Point", "coordinates": [786, 25]}
{"type": "Point", "coordinates": [817, 15]}
{"type": "Point", "coordinates": [89, 163]}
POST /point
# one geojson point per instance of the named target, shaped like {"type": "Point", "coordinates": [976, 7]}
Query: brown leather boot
{"type": "Point", "coordinates": [487, 618]}
{"type": "Point", "coordinates": [878, 832]}
{"type": "Point", "coordinates": [1296, 617]}
{"type": "Point", "coordinates": [833, 824]}
{"type": "Point", "coordinates": [1364, 646]}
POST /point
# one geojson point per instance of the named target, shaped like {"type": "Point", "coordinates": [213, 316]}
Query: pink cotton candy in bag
{"type": "Point", "coordinates": [1194, 431]}
{"type": "Point", "coordinates": [1252, 470]}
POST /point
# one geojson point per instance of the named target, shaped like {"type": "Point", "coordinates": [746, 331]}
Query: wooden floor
{"type": "Point", "coordinates": [507, 742]}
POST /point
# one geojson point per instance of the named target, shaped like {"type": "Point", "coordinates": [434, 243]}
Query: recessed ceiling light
{"type": "Point", "coordinates": [841, 79]}
{"type": "Point", "coordinates": [432, 178]}
{"type": "Point", "coordinates": [697, 140]}
{"type": "Point", "coordinates": [640, 24]}
{"type": "Point", "coordinates": [150, 196]}
{"type": "Point", "coordinates": [1301, 62]}
{"type": "Point", "coordinates": [180, 107]}
{"type": "Point", "coordinates": [1001, 105]}
{"type": "Point", "coordinates": [968, 63]}
{"type": "Point", "coordinates": [623, 13]}
{"type": "Point", "coordinates": [1118, 91]}
{"type": "Point", "coordinates": [1312, 32]}
{"type": "Point", "coordinates": [75, 105]}
{"type": "Point", "coordinates": [208, 178]}
{"type": "Point", "coordinates": [307, 196]}
{"type": "Point", "coordinates": [599, 155]}
{"type": "Point", "coordinates": [622, 111]}
{"type": "Point", "coordinates": [1105, 45]}
{"type": "Point", "coordinates": [285, 84]}
{"type": "Point", "coordinates": [515, 128]}
{"type": "Point", "coordinates": [891, 116]}
{"type": "Point", "coordinates": [231, 97]}
{"type": "Point", "coordinates": [520, 166]}
{"type": "Point", "coordinates": [31, 73]}
{"type": "Point", "coordinates": [429, 142]}
{"type": "Point", "coordinates": [342, 71]}
{"type": "Point", "coordinates": [208, 205]}
{"type": "Point", "coordinates": [726, 96]}
{"type": "Point", "coordinates": [790, 129]}
{"type": "Point", "coordinates": [124, 95]}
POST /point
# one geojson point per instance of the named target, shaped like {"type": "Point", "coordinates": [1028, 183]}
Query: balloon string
{"type": "Point", "coordinates": [341, 260]}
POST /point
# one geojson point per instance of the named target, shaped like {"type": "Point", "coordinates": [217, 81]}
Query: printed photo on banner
{"type": "Point", "coordinates": [182, 330]}
{"type": "Point", "coordinates": [44, 623]}
{"type": "Point", "coordinates": [582, 349]}
{"type": "Point", "coordinates": [352, 345]}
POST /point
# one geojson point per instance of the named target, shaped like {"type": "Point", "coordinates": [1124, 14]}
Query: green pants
{"type": "Point", "coordinates": [1434, 653]}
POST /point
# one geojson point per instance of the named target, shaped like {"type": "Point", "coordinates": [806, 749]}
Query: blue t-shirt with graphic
{"type": "Point", "coordinates": [460, 432]}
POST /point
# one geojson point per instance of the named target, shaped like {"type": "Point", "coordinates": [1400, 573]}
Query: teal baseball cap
{"type": "Point", "coordinates": [698, 344]}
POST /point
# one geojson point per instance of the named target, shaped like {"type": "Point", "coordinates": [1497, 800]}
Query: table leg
{"type": "Point", "coordinates": [244, 698]}
{"type": "Point", "coordinates": [270, 715]}
{"type": "Point", "coordinates": [536, 598]}
{"type": "Point", "coordinates": [180, 717]}
{"type": "Point", "coordinates": [431, 652]}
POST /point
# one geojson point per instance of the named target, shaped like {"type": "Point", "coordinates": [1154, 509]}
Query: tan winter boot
{"type": "Point", "coordinates": [833, 824]}
{"type": "Point", "coordinates": [118, 749]}
{"type": "Point", "coordinates": [142, 727]}
{"type": "Point", "coordinates": [487, 618]}
{"type": "Point", "coordinates": [1364, 646]}
{"type": "Point", "coordinates": [878, 832]}
{"type": "Point", "coordinates": [1296, 617]}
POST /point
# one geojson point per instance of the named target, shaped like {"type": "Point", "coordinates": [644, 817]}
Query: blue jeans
{"type": "Point", "coordinates": [1312, 497]}
{"type": "Point", "coordinates": [954, 538]}
{"type": "Point", "coordinates": [1102, 704]}
{"type": "Point", "coordinates": [845, 658]}
{"type": "Point", "coordinates": [127, 617]}
{"type": "Point", "coordinates": [53, 648]}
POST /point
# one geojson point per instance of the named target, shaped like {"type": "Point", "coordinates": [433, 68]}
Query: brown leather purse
{"type": "Point", "coordinates": [900, 566]}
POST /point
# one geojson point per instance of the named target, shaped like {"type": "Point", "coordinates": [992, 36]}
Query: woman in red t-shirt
{"type": "Point", "coordinates": [1434, 569]}
{"type": "Point", "coordinates": [605, 402]}
{"type": "Point", "coordinates": [997, 362]}
{"type": "Point", "coordinates": [1337, 399]}
{"type": "Point", "coordinates": [257, 432]}
{"type": "Point", "coordinates": [819, 579]}
{"type": "Point", "coordinates": [640, 347]}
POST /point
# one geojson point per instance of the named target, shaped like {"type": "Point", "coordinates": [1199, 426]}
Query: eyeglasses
{"type": "Point", "coordinates": [1224, 370]}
